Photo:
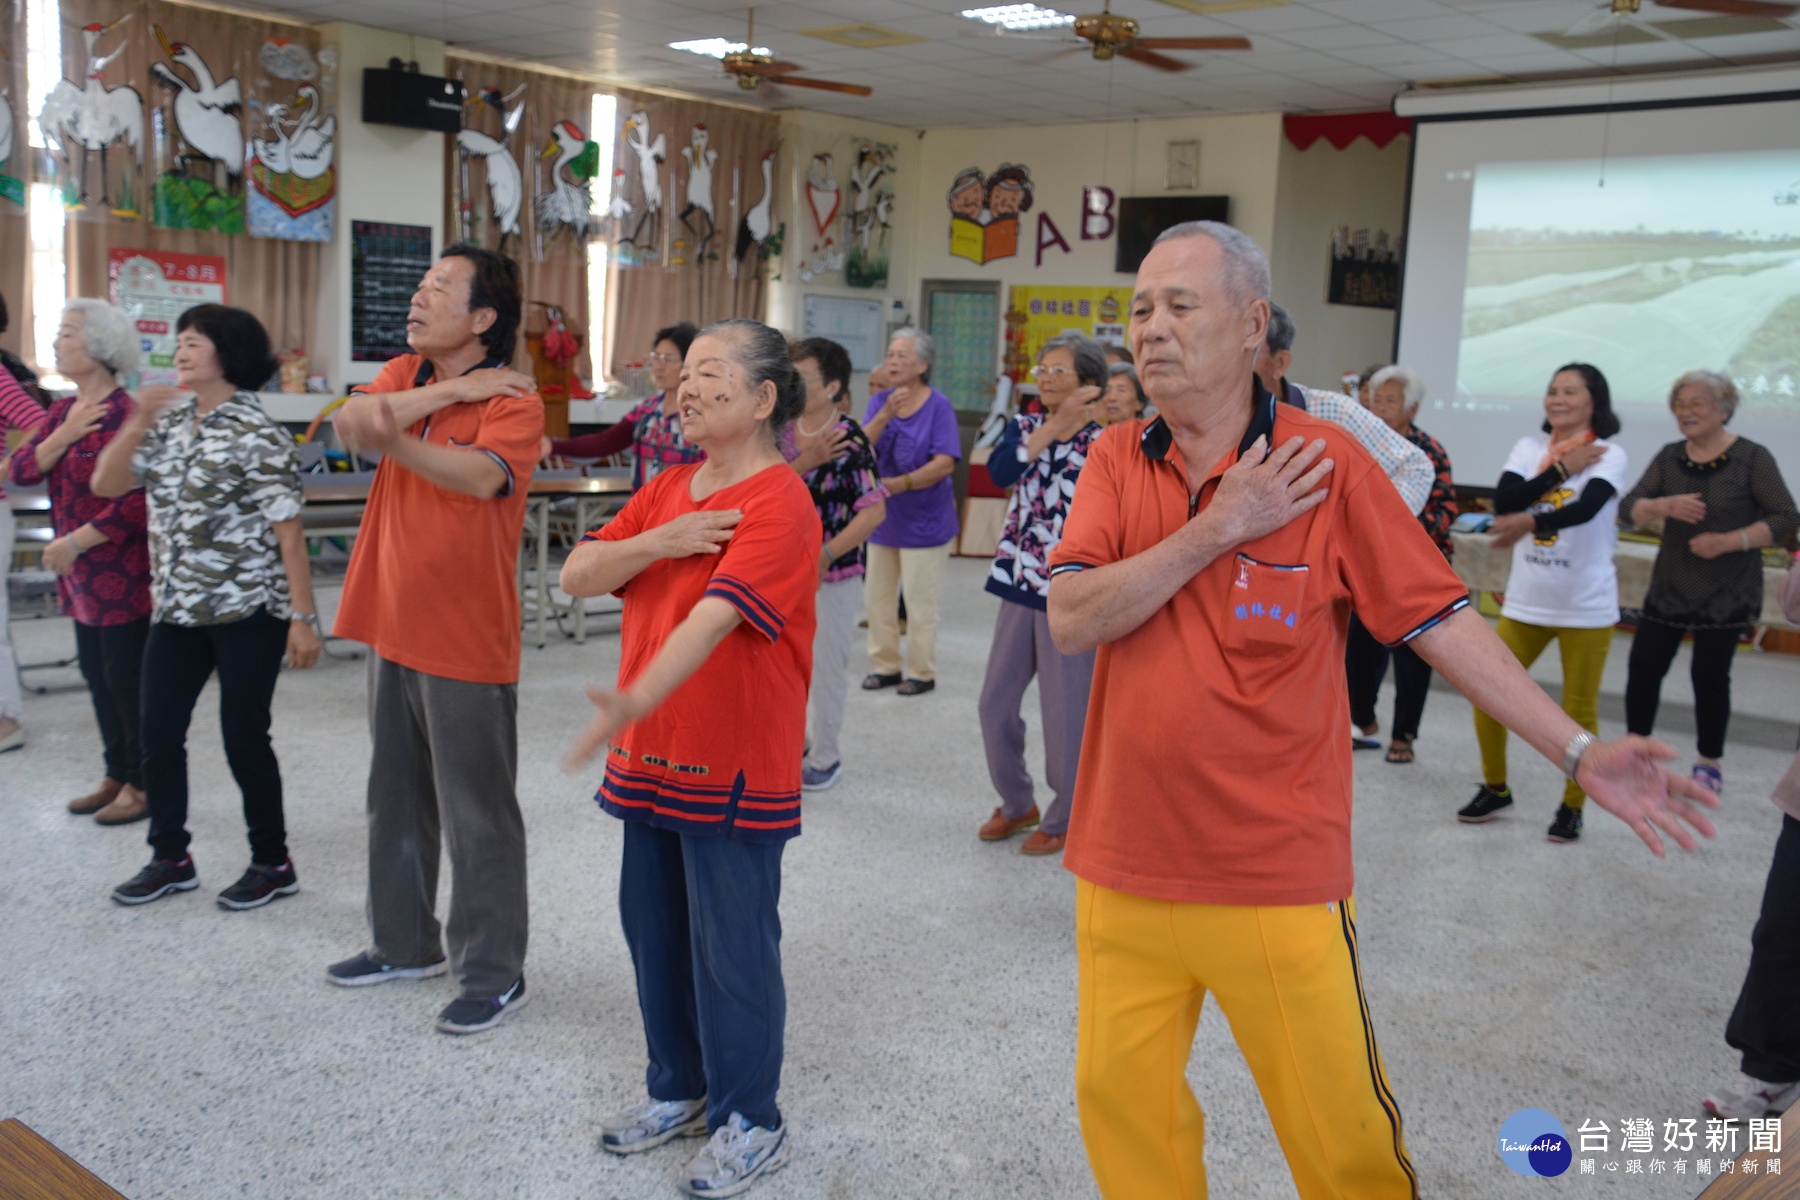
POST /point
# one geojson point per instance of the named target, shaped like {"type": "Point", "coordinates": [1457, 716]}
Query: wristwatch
{"type": "Point", "coordinates": [312, 619]}
{"type": "Point", "coordinates": [1578, 746]}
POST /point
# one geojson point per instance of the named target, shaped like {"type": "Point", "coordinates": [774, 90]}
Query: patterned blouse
{"type": "Point", "coordinates": [840, 489]}
{"type": "Point", "coordinates": [1042, 490]}
{"type": "Point", "coordinates": [110, 583]}
{"type": "Point", "coordinates": [653, 437]}
{"type": "Point", "coordinates": [216, 488]}
{"type": "Point", "coordinates": [656, 441]}
{"type": "Point", "coordinates": [1740, 487]}
{"type": "Point", "coordinates": [1440, 506]}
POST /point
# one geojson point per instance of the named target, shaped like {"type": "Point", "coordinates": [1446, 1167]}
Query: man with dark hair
{"type": "Point", "coordinates": [430, 589]}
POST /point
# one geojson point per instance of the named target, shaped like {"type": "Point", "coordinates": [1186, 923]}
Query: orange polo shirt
{"type": "Point", "coordinates": [431, 583]}
{"type": "Point", "coordinates": [1215, 767]}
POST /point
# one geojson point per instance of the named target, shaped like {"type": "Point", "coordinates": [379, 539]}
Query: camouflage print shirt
{"type": "Point", "coordinates": [216, 486]}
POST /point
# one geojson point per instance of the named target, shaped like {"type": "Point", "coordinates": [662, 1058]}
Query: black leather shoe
{"type": "Point", "coordinates": [917, 687]}
{"type": "Point", "coordinates": [874, 683]}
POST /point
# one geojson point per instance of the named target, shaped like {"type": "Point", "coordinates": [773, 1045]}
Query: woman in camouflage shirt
{"type": "Point", "coordinates": [230, 585]}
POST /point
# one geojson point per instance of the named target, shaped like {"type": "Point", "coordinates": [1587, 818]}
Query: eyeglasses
{"type": "Point", "coordinates": [663, 360]}
{"type": "Point", "coordinates": [1692, 406]}
{"type": "Point", "coordinates": [1042, 372]}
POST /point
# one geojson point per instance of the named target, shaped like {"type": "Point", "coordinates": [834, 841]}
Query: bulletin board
{"type": "Point", "coordinates": [386, 263]}
{"type": "Point", "coordinates": [1035, 314]}
{"type": "Point", "coordinates": [155, 287]}
{"type": "Point", "coordinates": [853, 323]}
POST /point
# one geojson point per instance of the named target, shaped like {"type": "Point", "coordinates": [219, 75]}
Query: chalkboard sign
{"type": "Point", "coordinates": [386, 264]}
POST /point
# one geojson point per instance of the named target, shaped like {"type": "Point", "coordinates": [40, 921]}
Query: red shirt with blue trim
{"type": "Point", "coordinates": [720, 757]}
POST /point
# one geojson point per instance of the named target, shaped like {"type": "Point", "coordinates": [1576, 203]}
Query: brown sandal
{"type": "Point", "coordinates": [1400, 751]}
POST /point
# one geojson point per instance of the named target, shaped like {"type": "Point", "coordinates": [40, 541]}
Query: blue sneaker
{"type": "Point", "coordinates": [817, 779]}
{"type": "Point", "coordinates": [478, 1016]}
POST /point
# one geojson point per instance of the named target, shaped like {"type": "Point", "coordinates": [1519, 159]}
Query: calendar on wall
{"type": "Point", "coordinates": [386, 263]}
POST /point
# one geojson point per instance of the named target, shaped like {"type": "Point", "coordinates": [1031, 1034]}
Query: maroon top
{"type": "Point", "coordinates": [109, 584]}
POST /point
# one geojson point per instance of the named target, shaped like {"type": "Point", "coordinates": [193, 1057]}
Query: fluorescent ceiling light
{"type": "Point", "coordinates": [1020, 16]}
{"type": "Point", "coordinates": [715, 47]}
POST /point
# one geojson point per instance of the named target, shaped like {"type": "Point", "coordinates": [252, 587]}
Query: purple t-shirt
{"type": "Point", "coordinates": [926, 517]}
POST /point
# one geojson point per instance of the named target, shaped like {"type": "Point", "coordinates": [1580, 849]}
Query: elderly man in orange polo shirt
{"type": "Point", "coordinates": [1214, 556]}
{"type": "Point", "coordinates": [431, 590]}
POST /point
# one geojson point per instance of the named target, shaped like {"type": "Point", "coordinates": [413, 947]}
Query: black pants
{"type": "Point", "coordinates": [1365, 664]}
{"type": "Point", "coordinates": [112, 662]}
{"type": "Point", "coordinates": [1653, 648]}
{"type": "Point", "coordinates": [178, 660]}
{"type": "Point", "coordinates": [1765, 1025]}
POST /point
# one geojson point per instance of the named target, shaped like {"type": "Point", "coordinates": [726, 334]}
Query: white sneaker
{"type": "Point", "coordinates": [648, 1125]}
{"type": "Point", "coordinates": [1750, 1098]}
{"type": "Point", "coordinates": [737, 1156]}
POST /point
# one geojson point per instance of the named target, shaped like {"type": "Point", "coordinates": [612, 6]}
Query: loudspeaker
{"type": "Point", "coordinates": [415, 101]}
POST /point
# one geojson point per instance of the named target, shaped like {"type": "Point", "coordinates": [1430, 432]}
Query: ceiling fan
{"type": "Point", "coordinates": [752, 69]}
{"type": "Point", "coordinates": [1111, 35]}
{"type": "Point", "coordinates": [1625, 12]}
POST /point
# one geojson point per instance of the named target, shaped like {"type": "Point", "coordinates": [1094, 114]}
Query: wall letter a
{"type": "Point", "coordinates": [1048, 235]}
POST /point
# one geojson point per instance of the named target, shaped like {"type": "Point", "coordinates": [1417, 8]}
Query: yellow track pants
{"type": "Point", "coordinates": [1583, 662]}
{"type": "Point", "coordinates": [1289, 982]}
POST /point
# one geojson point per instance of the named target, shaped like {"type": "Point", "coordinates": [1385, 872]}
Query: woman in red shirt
{"type": "Point", "coordinates": [717, 563]}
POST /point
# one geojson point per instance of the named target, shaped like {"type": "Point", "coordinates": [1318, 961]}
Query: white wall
{"type": "Point", "coordinates": [385, 173]}
{"type": "Point", "coordinates": [1320, 189]}
{"type": "Point", "coordinates": [1239, 157]}
{"type": "Point", "coordinates": [804, 134]}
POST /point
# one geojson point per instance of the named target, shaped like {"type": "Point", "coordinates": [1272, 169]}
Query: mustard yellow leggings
{"type": "Point", "coordinates": [1583, 662]}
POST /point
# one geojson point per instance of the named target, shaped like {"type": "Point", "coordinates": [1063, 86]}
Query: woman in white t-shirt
{"type": "Point", "coordinates": [1558, 501]}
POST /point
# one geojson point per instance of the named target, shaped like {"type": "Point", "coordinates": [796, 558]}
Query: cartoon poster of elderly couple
{"type": "Point", "coordinates": [984, 211]}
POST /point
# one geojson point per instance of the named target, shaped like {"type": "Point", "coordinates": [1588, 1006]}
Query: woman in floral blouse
{"type": "Point", "coordinates": [1040, 456]}
{"type": "Point", "coordinates": [101, 553]}
{"type": "Point", "coordinates": [1395, 394]}
{"type": "Point", "coordinates": [231, 589]}
{"type": "Point", "coordinates": [833, 455]}
{"type": "Point", "coordinates": [651, 430]}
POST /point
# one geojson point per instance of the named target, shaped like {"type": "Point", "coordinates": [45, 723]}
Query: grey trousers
{"type": "Point", "coordinates": [445, 764]}
{"type": "Point", "coordinates": [1022, 648]}
{"type": "Point", "coordinates": [838, 604]}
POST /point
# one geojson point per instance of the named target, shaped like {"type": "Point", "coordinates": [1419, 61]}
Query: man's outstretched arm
{"type": "Point", "coordinates": [1625, 777]}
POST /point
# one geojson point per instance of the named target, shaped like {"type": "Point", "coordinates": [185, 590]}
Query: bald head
{"type": "Point", "coordinates": [1245, 266]}
{"type": "Point", "coordinates": [1198, 318]}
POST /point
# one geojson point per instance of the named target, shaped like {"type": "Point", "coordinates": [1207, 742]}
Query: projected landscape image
{"type": "Point", "coordinates": [1675, 263]}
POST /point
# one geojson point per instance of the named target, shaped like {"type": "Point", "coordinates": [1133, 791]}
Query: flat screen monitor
{"type": "Point", "coordinates": [1141, 218]}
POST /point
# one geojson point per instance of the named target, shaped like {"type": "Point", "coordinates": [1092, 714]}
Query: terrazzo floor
{"type": "Point", "coordinates": [180, 1050]}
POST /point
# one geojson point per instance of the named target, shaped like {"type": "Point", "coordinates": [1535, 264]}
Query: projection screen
{"type": "Point", "coordinates": [1647, 241]}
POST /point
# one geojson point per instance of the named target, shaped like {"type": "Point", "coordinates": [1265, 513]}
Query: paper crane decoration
{"type": "Point", "coordinates": [206, 111]}
{"type": "Point", "coordinates": [93, 115]}
{"type": "Point", "coordinates": [700, 161]}
{"type": "Point", "coordinates": [505, 183]}
{"type": "Point", "coordinates": [650, 154]}
{"type": "Point", "coordinates": [754, 229]}
{"type": "Point", "coordinates": [566, 204]}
